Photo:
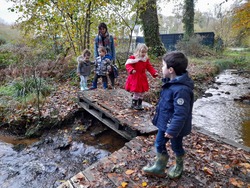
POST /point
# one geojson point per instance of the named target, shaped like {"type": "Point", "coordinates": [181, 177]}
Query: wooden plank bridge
{"type": "Point", "coordinates": [112, 107]}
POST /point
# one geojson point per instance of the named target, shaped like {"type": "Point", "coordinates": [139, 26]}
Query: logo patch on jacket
{"type": "Point", "coordinates": [180, 101]}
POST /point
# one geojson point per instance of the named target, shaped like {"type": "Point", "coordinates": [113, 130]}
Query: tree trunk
{"type": "Point", "coordinates": [87, 27]}
{"type": "Point", "coordinates": [151, 29]}
{"type": "Point", "coordinates": [188, 19]}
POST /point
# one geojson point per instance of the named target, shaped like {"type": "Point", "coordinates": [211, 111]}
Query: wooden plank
{"type": "Point", "coordinates": [118, 179]}
{"type": "Point", "coordinates": [96, 174]}
{"type": "Point", "coordinates": [115, 104]}
{"type": "Point", "coordinates": [80, 181]}
{"type": "Point", "coordinates": [66, 184]}
{"type": "Point", "coordinates": [113, 167]}
{"type": "Point", "coordinates": [107, 121]}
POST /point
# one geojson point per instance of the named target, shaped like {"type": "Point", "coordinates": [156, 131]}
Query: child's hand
{"type": "Point", "coordinates": [168, 135]}
{"type": "Point", "coordinates": [133, 71]}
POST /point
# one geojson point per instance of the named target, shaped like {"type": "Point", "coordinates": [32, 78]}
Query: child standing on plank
{"type": "Point", "coordinates": [173, 116]}
{"type": "Point", "coordinates": [102, 67]}
{"type": "Point", "coordinates": [137, 82]}
{"type": "Point", "coordinates": [84, 68]}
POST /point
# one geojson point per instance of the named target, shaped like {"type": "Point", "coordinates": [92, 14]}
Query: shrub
{"type": "Point", "coordinates": [23, 88]}
{"type": "Point", "coordinates": [6, 59]}
{"type": "Point", "coordinates": [2, 41]}
{"type": "Point", "coordinates": [193, 47]}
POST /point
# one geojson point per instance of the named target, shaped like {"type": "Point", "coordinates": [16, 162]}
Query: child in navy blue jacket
{"type": "Point", "coordinates": [173, 116]}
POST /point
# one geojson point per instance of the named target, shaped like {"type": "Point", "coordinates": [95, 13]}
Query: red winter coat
{"type": "Point", "coordinates": [138, 81]}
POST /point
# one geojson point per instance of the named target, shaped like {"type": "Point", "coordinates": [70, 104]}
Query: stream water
{"type": "Point", "coordinates": [56, 156]}
{"type": "Point", "coordinates": [60, 154]}
{"type": "Point", "coordinates": [219, 110]}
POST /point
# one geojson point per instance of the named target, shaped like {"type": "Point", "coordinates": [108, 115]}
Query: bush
{"type": "Point", "coordinates": [193, 47]}
{"type": "Point", "coordinates": [2, 41]}
{"type": "Point", "coordinates": [6, 60]}
{"type": "Point", "coordinates": [23, 88]}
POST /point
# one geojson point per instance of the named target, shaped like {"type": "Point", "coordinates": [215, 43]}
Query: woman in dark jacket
{"type": "Point", "coordinates": [106, 40]}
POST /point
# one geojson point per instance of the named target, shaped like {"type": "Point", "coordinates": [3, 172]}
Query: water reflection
{"type": "Point", "coordinates": [220, 114]}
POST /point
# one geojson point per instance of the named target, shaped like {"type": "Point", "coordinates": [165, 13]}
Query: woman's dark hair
{"type": "Point", "coordinates": [102, 25]}
{"type": "Point", "coordinates": [177, 60]}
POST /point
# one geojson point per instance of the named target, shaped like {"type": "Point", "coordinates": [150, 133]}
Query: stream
{"type": "Point", "coordinates": [61, 153]}
{"type": "Point", "coordinates": [221, 112]}
{"type": "Point", "coordinates": [57, 156]}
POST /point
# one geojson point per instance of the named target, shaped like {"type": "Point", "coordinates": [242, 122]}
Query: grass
{"type": "Point", "coordinates": [234, 59]}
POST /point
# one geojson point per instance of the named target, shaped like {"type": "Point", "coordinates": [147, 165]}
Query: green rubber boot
{"type": "Point", "coordinates": [158, 169]}
{"type": "Point", "coordinates": [176, 170]}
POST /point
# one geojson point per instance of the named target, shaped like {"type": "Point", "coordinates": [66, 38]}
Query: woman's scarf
{"type": "Point", "coordinates": [104, 41]}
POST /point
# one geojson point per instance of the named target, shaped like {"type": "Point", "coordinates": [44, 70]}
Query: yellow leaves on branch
{"type": "Point", "coordinates": [242, 16]}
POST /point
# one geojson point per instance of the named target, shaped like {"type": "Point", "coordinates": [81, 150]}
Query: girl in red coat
{"type": "Point", "coordinates": [137, 82]}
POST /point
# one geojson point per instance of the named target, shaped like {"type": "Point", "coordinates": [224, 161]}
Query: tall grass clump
{"type": "Point", "coordinates": [22, 88]}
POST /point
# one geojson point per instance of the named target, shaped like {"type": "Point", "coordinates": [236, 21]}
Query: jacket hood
{"type": "Point", "coordinates": [183, 79]}
{"type": "Point", "coordinates": [108, 56]}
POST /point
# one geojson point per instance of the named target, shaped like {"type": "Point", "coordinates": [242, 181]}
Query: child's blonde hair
{"type": "Point", "coordinates": [139, 48]}
{"type": "Point", "coordinates": [86, 52]}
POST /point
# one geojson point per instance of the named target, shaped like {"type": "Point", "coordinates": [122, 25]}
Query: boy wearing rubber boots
{"type": "Point", "coordinates": [173, 115]}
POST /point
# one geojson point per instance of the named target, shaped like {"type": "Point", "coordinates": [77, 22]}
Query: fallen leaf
{"type": "Point", "coordinates": [199, 151]}
{"type": "Point", "coordinates": [207, 170]}
{"type": "Point", "coordinates": [124, 184]}
{"type": "Point", "coordinates": [246, 165]}
{"type": "Point", "coordinates": [128, 172]}
{"type": "Point", "coordinates": [236, 182]}
{"type": "Point", "coordinates": [85, 161]}
{"type": "Point", "coordinates": [144, 184]}
{"type": "Point", "coordinates": [226, 166]}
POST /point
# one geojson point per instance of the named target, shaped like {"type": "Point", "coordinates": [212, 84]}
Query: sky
{"type": "Point", "coordinates": [201, 5]}
{"type": "Point", "coordinates": [5, 14]}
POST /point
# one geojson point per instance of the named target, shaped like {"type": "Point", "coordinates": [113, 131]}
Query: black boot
{"type": "Point", "coordinates": [139, 105]}
{"type": "Point", "coordinates": [134, 103]}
